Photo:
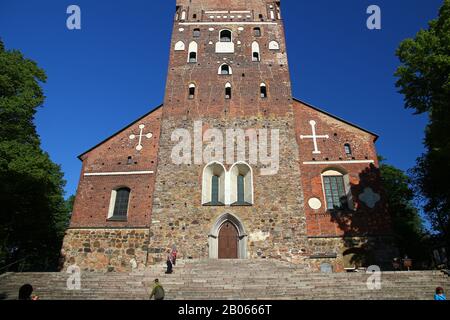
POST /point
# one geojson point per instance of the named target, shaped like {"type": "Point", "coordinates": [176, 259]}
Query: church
{"type": "Point", "coordinates": [288, 182]}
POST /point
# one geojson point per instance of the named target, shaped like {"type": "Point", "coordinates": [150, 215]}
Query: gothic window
{"type": "Point", "coordinates": [213, 185]}
{"type": "Point", "coordinates": [191, 91]}
{"type": "Point", "coordinates": [337, 190]}
{"type": "Point", "coordinates": [225, 36]}
{"type": "Point", "coordinates": [196, 33]}
{"type": "Point", "coordinates": [348, 149]}
{"type": "Point", "coordinates": [263, 90]}
{"type": "Point", "coordinates": [255, 52]}
{"type": "Point", "coordinates": [241, 181]}
{"type": "Point", "coordinates": [192, 52]}
{"type": "Point", "coordinates": [119, 203]}
{"type": "Point", "coordinates": [225, 69]}
{"type": "Point", "coordinates": [228, 91]}
{"type": "Point", "coordinates": [257, 32]}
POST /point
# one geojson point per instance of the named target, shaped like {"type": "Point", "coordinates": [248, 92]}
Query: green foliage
{"type": "Point", "coordinates": [424, 80]}
{"type": "Point", "coordinates": [34, 213]}
{"type": "Point", "coordinates": [406, 221]}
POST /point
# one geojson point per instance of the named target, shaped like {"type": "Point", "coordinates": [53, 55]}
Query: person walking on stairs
{"type": "Point", "coordinates": [169, 262]}
{"type": "Point", "coordinates": [158, 291]}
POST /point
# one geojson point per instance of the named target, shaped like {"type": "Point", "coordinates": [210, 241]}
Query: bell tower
{"type": "Point", "coordinates": [228, 69]}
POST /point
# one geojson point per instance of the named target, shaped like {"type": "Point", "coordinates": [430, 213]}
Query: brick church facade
{"type": "Point", "coordinates": [320, 206]}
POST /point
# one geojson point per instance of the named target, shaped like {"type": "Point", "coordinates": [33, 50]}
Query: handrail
{"type": "Point", "coordinates": [12, 264]}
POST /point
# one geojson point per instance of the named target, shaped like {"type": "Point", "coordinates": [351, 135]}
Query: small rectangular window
{"type": "Point", "coordinates": [196, 33]}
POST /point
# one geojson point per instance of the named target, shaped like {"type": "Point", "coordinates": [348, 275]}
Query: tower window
{"type": "Point", "coordinates": [257, 32]}
{"type": "Point", "coordinates": [225, 69]}
{"type": "Point", "coordinates": [192, 58]}
{"type": "Point", "coordinates": [183, 15]}
{"type": "Point", "coordinates": [196, 33]}
{"type": "Point", "coordinates": [228, 91]}
{"type": "Point", "coordinates": [263, 90]}
{"type": "Point", "coordinates": [348, 149]}
{"type": "Point", "coordinates": [130, 160]}
{"type": "Point", "coordinates": [191, 91]}
{"type": "Point", "coordinates": [255, 52]}
{"type": "Point", "coordinates": [225, 36]}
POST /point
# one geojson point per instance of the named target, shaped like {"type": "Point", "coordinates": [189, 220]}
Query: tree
{"type": "Point", "coordinates": [406, 221]}
{"type": "Point", "coordinates": [424, 80]}
{"type": "Point", "coordinates": [34, 214]}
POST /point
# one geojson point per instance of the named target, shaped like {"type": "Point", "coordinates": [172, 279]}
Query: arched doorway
{"type": "Point", "coordinates": [227, 238]}
{"type": "Point", "coordinates": [228, 241]}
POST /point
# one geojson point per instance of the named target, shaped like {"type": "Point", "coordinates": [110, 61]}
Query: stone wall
{"type": "Point", "coordinates": [274, 224]}
{"type": "Point", "coordinates": [106, 250]}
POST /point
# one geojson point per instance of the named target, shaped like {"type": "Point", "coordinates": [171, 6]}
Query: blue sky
{"type": "Point", "coordinates": [112, 71]}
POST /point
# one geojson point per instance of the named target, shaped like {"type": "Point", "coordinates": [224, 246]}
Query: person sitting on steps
{"type": "Point", "coordinates": [440, 295]}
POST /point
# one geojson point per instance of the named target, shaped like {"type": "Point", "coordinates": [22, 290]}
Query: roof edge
{"type": "Point", "coordinates": [338, 118]}
{"type": "Point", "coordinates": [119, 131]}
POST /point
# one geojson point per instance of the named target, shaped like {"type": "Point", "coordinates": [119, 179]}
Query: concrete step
{"type": "Point", "coordinates": [241, 279]}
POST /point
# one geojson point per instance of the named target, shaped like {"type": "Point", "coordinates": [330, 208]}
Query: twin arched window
{"type": "Point", "coordinates": [220, 187]}
{"type": "Point", "coordinates": [118, 206]}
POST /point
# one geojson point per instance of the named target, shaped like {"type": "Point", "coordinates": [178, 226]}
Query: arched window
{"type": "Point", "coordinates": [196, 33]}
{"type": "Point", "coordinates": [225, 36]}
{"type": "Point", "coordinates": [348, 149]}
{"type": "Point", "coordinates": [192, 58]}
{"type": "Point", "coordinates": [337, 191]}
{"type": "Point", "coordinates": [213, 185]}
{"type": "Point", "coordinates": [225, 69]}
{"type": "Point", "coordinates": [273, 45]}
{"type": "Point", "coordinates": [257, 32]}
{"type": "Point", "coordinates": [183, 15]}
{"type": "Point", "coordinates": [179, 46]}
{"type": "Point", "coordinates": [191, 91]}
{"type": "Point", "coordinates": [263, 90]}
{"type": "Point", "coordinates": [118, 208]}
{"type": "Point", "coordinates": [241, 183]}
{"type": "Point", "coordinates": [228, 91]}
{"type": "Point", "coordinates": [255, 52]}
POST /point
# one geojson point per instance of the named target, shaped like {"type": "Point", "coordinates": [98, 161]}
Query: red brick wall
{"type": "Point", "coordinates": [94, 192]}
{"type": "Point", "coordinates": [361, 221]}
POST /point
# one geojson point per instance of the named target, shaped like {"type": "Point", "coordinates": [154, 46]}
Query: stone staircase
{"type": "Point", "coordinates": [229, 279]}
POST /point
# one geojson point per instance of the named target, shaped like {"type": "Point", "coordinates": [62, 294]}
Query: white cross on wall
{"type": "Point", "coordinates": [141, 134]}
{"type": "Point", "coordinates": [314, 137]}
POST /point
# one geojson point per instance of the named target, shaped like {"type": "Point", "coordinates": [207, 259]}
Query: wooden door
{"type": "Point", "coordinates": [228, 241]}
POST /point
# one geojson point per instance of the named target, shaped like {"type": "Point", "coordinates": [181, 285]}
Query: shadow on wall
{"type": "Point", "coordinates": [367, 220]}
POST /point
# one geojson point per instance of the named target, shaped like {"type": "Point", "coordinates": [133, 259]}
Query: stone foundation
{"type": "Point", "coordinates": [106, 250]}
{"type": "Point", "coordinates": [351, 252]}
